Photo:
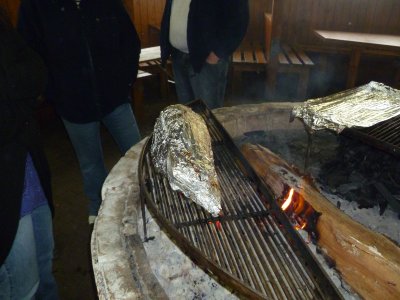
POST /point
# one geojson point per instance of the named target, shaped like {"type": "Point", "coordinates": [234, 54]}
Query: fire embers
{"type": "Point", "coordinates": [301, 214]}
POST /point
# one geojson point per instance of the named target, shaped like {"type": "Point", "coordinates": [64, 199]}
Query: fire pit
{"type": "Point", "coordinates": [124, 270]}
{"type": "Point", "coordinates": [252, 248]}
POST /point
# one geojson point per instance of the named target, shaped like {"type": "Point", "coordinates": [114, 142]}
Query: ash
{"type": "Point", "coordinates": [362, 181]}
{"type": "Point", "coordinates": [349, 174]}
{"type": "Point", "coordinates": [183, 279]}
{"type": "Point", "coordinates": [179, 276]}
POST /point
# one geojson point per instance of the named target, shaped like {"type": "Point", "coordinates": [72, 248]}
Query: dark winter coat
{"type": "Point", "coordinates": [213, 25]}
{"type": "Point", "coordinates": [91, 53]}
{"type": "Point", "coordinates": [22, 80]}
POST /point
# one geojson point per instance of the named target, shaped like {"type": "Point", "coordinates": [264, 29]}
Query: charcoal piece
{"type": "Point", "coordinates": [388, 197]}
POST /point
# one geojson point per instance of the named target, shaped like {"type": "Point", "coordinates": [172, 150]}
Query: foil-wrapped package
{"type": "Point", "coordinates": [363, 106]}
{"type": "Point", "coordinates": [181, 150]}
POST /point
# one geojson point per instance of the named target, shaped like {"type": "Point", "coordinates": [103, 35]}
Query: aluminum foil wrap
{"type": "Point", "coordinates": [181, 150]}
{"type": "Point", "coordinates": [363, 106]}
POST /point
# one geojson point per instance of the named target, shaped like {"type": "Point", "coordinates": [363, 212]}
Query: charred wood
{"type": "Point", "coordinates": [368, 261]}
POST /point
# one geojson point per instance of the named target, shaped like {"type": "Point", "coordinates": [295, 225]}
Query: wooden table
{"type": "Point", "coordinates": [359, 43]}
{"type": "Point", "coordinates": [149, 64]}
{"type": "Point", "coordinates": [150, 54]}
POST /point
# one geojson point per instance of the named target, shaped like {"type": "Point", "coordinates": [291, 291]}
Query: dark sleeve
{"type": "Point", "coordinates": [232, 19]}
{"type": "Point", "coordinates": [29, 25]}
{"type": "Point", "coordinates": [129, 44]}
{"type": "Point", "coordinates": [22, 80]}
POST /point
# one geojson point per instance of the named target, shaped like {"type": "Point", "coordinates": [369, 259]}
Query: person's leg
{"type": "Point", "coordinates": [43, 230]}
{"type": "Point", "coordinates": [19, 275]}
{"type": "Point", "coordinates": [209, 85]}
{"type": "Point", "coordinates": [86, 141]}
{"type": "Point", "coordinates": [182, 71]}
{"type": "Point", "coordinates": [121, 123]}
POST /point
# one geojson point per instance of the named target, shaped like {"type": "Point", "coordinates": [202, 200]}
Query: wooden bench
{"type": "Point", "coordinates": [290, 59]}
{"type": "Point", "coordinates": [284, 58]}
{"type": "Point", "coordinates": [154, 67]}
{"type": "Point", "coordinates": [253, 53]}
{"type": "Point", "coordinates": [137, 94]}
{"type": "Point", "coordinates": [247, 58]}
{"type": "Point", "coordinates": [273, 59]}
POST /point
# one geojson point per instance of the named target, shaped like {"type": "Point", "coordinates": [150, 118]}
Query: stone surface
{"type": "Point", "coordinates": [125, 267]}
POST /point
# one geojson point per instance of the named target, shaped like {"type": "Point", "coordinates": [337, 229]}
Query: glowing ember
{"type": "Point", "coordinates": [217, 223]}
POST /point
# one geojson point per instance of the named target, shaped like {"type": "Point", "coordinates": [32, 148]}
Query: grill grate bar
{"type": "Point", "coordinates": [257, 257]}
{"type": "Point", "coordinates": [298, 286]}
{"type": "Point", "coordinates": [223, 244]}
{"type": "Point", "coordinates": [259, 206]}
{"type": "Point", "coordinates": [239, 188]}
{"type": "Point", "coordinates": [384, 135]}
{"type": "Point", "coordinates": [191, 232]}
{"type": "Point", "coordinates": [240, 239]}
{"type": "Point", "coordinates": [249, 248]}
{"type": "Point", "coordinates": [215, 241]}
{"type": "Point", "coordinates": [387, 130]}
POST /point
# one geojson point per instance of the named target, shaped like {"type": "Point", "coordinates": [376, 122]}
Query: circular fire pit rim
{"type": "Point", "coordinates": [111, 263]}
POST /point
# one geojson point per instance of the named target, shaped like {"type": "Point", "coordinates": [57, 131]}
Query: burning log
{"type": "Point", "coordinates": [368, 261]}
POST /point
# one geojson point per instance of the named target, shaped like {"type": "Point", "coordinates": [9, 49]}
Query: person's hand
{"type": "Point", "coordinates": [212, 58]}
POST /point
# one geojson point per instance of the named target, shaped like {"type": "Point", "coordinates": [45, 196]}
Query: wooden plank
{"type": "Point", "coordinates": [291, 55]}
{"type": "Point", "coordinates": [342, 15]}
{"type": "Point", "coordinates": [282, 59]}
{"type": "Point", "coordinates": [294, 20]}
{"type": "Point", "coordinates": [304, 57]}
{"type": "Point", "coordinates": [142, 74]}
{"type": "Point", "coordinates": [370, 15]}
{"type": "Point", "coordinates": [248, 56]}
{"type": "Point", "coordinates": [260, 56]}
{"type": "Point", "coordinates": [368, 261]}
{"type": "Point", "coordinates": [289, 10]}
{"type": "Point", "coordinates": [237, 56]}
{"type": "Point", "coordinates": [151, 53]}
{"type": "Point", "coordinates": [393, 19]}
{"type": "Point", "coordinates": [268, 34]}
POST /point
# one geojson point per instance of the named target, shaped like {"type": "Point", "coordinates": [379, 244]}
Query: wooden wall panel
{"type": "Point", "coordinates": [255, 31]}
{"type": "Point", "coordinates": [145, 13]}
{"type": "Point", "coordinates": [297, 18]}
{"type": "Point", "coordinates": [142, 13]}
{"type": "Point", "coordinates": [11, 7]}
{"type": "Point", "coordinates": [294, 20]}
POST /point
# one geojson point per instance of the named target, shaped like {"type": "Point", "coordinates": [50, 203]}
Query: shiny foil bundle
{"type": "Point", "coordinates": [363, 106]}
{"type": "Point", "coordinates": [181, 150]}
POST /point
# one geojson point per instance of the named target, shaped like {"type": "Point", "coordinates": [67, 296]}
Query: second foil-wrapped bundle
{"type": "Point", "coordinates": [181, 150]}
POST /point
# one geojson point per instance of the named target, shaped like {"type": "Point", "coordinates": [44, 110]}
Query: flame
{"type": "Point", "coordinates": [297, 209]}
{"type": "Point", "coordinates": [288, 200]}
{"type": "Point", "coordinates": [300, 213]}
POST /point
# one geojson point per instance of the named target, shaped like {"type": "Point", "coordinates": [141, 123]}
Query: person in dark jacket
{"type": "Point", "coordinates": [91, 49]}
{"type": "Point", "coordinates": [200, 36]}
{"type": "Point", "coordinates": [26, 234]}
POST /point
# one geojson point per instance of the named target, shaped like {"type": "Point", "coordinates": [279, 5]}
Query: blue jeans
{"type": "Point", "coordinates": [86, 141]}
{"type": "Point", "coordinates": [208, 85]}
{"type": "Point", "coordinates": [27, 270]}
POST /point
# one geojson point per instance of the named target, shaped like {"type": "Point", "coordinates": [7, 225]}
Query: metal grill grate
{"type": "Point", "coordinates": [384, 135]}
{"type": "Point", "coordinates": [252, 248]}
